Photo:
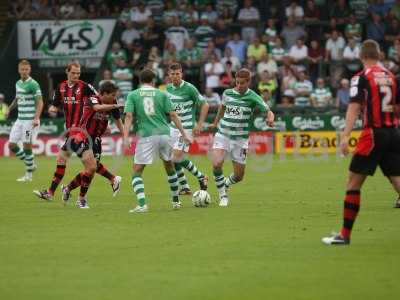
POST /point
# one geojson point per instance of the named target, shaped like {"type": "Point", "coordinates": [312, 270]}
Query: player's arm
{"type": "Point", "coordinates": [55, 102]}
{"type": "Point", "coordinates": [357, 96]}
{"type": "Point", "coordinates": [105, 107]}
{"type": "Point", "coordinates": [218, 117]}
{"type": "Point", "coordinates": [266, 112]}
{"type": "Point", "coordinates": [117, 119]}
{"type": "Point", "coordinates": [175, 119]}
{"type": "Point", "coordinates": [12, 106]}
{"type": "Point", "coordinates": [38, 113]}
{"type": "Point", "coordinates": [203, 111]}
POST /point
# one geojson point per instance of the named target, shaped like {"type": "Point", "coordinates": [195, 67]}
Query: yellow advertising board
{"type": "Point", "coordinates": [312, 142]}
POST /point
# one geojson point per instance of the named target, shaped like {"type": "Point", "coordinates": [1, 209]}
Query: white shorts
{"type": "Point", "coordinates": [148, 147]}
{"type": "Point", "coordinates": [177, 142]}
{"type": "Point", "coordinates": [22, 131]}
{"type": "Point", "coordinates": [237, 149]}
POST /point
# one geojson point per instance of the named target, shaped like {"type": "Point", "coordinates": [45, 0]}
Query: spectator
{"type": "Point", "coordinates": [376, 29]}
{"type": "Point", "coordinates": [291, 33]}
{"type": "Point", "coordinates": [156, 7]}
{"type": "Point", "coordinates": [287, 100]}
{"type": "Point", "coordinates": [271, 30]}
{"type": "Point", "coordinates": [130, 34]}
{"type": "Point", "coordinates": [334, 55]}
{"type": "Point", "coordinates": [226, 16]}
{"type": "Point", "coordinates": [315, 57]}
{"type": "Point", "coordinates": [170, 13]}
{"type": "Point", "coordinates": [137, 55]}
{"type": "Point", "coordinates": [333, 25]}
{"type": "Point", "coordinates": [268, 99]}
{"type": "Point", "coordinates": [251, 64]}
{"type": "Point", "coordinates": [170, 54]}
{"type": "Point", "coordinates": [213, 70]}
{"type": "Point", "coordinates": [204, 33]}
{"type": "Point", "coordinates": [92, 11]}
{"type": "Point", "coordinates": [125, 15]}
{"type": "Point", "coordinates": [321, 96]}
{"type": "Point", "coordinates": [353, 29]}
{"type": "Point", "coordinates": [388, 64]}
{"type": "Point", "coordinates": [294, 11]}
{"type": "Point", "coordinates": [228, 56]}
{"type": "Point", "coordinates": [278, 52]}
{"type": "Point", "coordinates": [226, 79]}
{"type": "Point", "coordinates": [238, 47]}
{"type": "Point", "coordinates": [190, 16]}
{"type": "Point", "coordinates": [3, 108]}
{"type": "Point", "coordinates": [392, 32]}
{"type": "Point", "coordinates": [221, 34]}
{"type": "Point", "coordinates": [154, 56]}
{"type": "Point", "coordinates": [395, 11]}
{"type": "Point", "coordinates": [312, 13]}
{"type": "Point", "coordinates": [123, 78]}
{"type": "Point", "coordinates": [104, 10]}
{"type": "Point", "coordinates": [267, 82]}
{"type": "Point", "coordinates": [394, 51]}
{"type": "Point", "coordinates": [229, 5]}
{"type": "Point", "coordinates": [79, 12]}
{"type": "Point", "coordinates": [288, 80]}
{"type": "Point", "coordinates": [213, 99]}
{"type": "Point", "coordinates": [302, 90]}
{"type": "Point", "coordinates": [19, 9]}
{"type": "Point", "coordinates": [115, 54]}
{"type": "Point", "coordinates": [341, 12]}
{"type": "Point", "coordinates": [177, 34]}
{"type": "Point", "coordinates": [256, 49]}
{"type": "Point", "coordinates": [211, 50]}
{"type": "Point", "coordinates": [267, 64]}
{"type": "Point", "coordinates": [351, 55]}
{"type": "Point", "coordinates": [298, 52]}
{"type": "Point", "coordinates": [191, 58]}
{"type": "Point", "coordinates": [152, 35]}
{"type": "Point", "coordinates": [210, 14]}
{"type": "Point", "coordinates": [115, 11]}
{"type": "Point", "coordinates": [249, 16]}
{"type": "Point", "coordinates": [140, 14]}
{"type": "Point", "coordinates": [107, 77]}
{"type": "Point", "coordinates": [379, 7]}
{"type": "Point", "coordinates": [67, 10]}
{"type": "Point", "coordinates": [343, 95]}
{"type": "Point", "coordinates": [360, 8]}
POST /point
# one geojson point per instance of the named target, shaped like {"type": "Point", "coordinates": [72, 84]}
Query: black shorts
{"type": "Point", "coordinates": [79, 147]}
{"type": "Point", "coordinates": [378, 147]}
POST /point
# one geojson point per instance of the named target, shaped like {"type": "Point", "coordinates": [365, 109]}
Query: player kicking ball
{"type": "Point", "coordinates": [232, 137]}
{"type": "Point", "coordinates": [148, 107]}
{"type": "Point", "coordinates": [28, 99]}
{"type": "Point", "coordinates": [185, 99]}
{"type": "Point", "coordinates": [374, 93]}
{"type": "Point", "coordinates": [87, 142]}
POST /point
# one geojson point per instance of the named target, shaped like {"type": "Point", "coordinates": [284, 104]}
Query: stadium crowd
{"type": "Point", "coordinates": [301, 53]}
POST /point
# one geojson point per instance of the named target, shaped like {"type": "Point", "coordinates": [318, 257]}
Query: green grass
{"type": "Point", "coordinates": [266, 244]}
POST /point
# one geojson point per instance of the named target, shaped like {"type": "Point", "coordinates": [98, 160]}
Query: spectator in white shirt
{"type": "Point", "coordinates": [213, 69]}
{"type": "Point", "coordinates": [294, 11]}
{"type": "Point", "coordinates": [140, 14]}
{"type": "Point", "coordinates": [267, 64]}
{"type": "Point", "coordinates": [212, 98]}
{"type": "Point", "coordinates": [177, 34]}
{"type": "Point", "coordinates": [249, 16]}
{"type": "Point", "coordinates": [298, 52]}
{"type": "Point", "coordinates": [210, 13]}
{"type": "Point", "coordinates": [351, 55]}
{"type": "Point", "coordinates": [130, 34]}
{"type": "Point", "coordinates": [228, 56]}
{"type": "Point", "coordinates": [334, 55]}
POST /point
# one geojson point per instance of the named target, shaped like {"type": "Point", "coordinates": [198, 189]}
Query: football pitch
{"type": "Point", "coordinates": [265, 245]}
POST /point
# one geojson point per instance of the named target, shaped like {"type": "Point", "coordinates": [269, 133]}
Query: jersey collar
{"type": "Point", "coordinates": [181, 85]}
{"type": "Point", "coordinates": [28, 79]}
{"type": "Point", "coordinates": [237, 93]}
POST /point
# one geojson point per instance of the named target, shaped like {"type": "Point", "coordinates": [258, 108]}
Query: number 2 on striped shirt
{"type": "Point", "coordinates": [148, 105]}
{"type": "Point", "coordinates": [386, 91]}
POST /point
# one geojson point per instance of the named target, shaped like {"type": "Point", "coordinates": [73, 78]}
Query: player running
{"type": "Point", "coordinates": [148, 107]}
{"type": "Point", "coordinates": [238, 105]}
{"type": "Point", "coordinates": [71, 94]}
{"type": "Point", "coordinates": [185, 99]}
{"type": "Point", "coordinates": [87, 143]}
{"type": "Point", "coordinates": [374, 93]}
{"type": "Point", "coordinates": [28, 98]}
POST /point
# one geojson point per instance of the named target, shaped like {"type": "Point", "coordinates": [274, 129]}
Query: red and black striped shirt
{"type": "Point", "coordinates": [73, 99]}
{"type": "Point", "coordinates": [95, 123]}
{"type": "Point", "coordinates": [376, 89]}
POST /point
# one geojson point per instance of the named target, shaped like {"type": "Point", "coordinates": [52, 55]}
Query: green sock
{"type": "Point", "coordinates": [29, 160]}
{"type": "Point", "coordinates": [191, 167]}
{"type": "Point", "coordinates": [18, 152]}
{"type": "Point", "coordinates": [181, 176]}
{"type": "Point", "coordinates": [230, 180]}
{"type": "Point", "coordinates": [220, 182]}
{"type": "Point", "coordinates": [138, 188]}
{"type": "Point", "coordinates": [173, 185]}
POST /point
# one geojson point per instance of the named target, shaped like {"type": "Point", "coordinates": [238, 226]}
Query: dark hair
{"type": "Point", "coordinates": [147, 76]}
{"type": "Point", "coordinates": [107, 87]}
{"type": "Point", "coordinates": [175, 66]}
{"type": "Point", "coordinates": [243, 73]}
{"type": "Point", "coordinates": [369, 50]}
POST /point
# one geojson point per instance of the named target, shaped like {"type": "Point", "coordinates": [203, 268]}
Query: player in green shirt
{"type": "Point", "coordinates": [28, 99]}
{"type": "Point", "coordinates": [148, 107]}
{"type": "Point", "coordinates": [185, 98]}
{"type": "Point", "coordinates": [233, 123]}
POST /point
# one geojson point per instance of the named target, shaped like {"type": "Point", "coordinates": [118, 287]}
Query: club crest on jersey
{"type": "Point", "coordinates": [78, 91]}
{"type": "Point", "coordinates": [234, 111]}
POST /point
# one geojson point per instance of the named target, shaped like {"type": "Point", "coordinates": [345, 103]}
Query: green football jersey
{"type": "Point", "coordinates": [239, 108]}
{"type": "Point", "coordinates": [27, 93]}
{"type": "Point", "coordinates": [185, 99]}
{"type": "Point", "coordinates": [149, 106]}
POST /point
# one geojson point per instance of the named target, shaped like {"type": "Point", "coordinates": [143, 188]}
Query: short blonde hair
{"type": "Point", "coordinates": [24, 62]}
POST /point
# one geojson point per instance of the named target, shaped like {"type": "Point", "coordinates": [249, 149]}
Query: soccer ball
{"type": "Point", "coordinates": [201, 198]}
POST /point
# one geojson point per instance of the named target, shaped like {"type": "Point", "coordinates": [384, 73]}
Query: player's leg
{"type": "Point", "coordinates": [14, 139]}
{"type": "Point", "coordinates": [178, 155]}
{"type": "Point", "coordinates": [144, 155]}
{"type": "Point", "coordinates": [239, 155]}
{"type": "Point", "coordinates": [166, 153]}
{"type": "Point", "coordinates": [29, 134]}
{"type": "Point", "coordinates": [390, 164]}
{"type": "Point", "coordinates": [90, 165]}
{"type": "Point", "coordinates": [395, 181]}
{"type": "Point", "coordinates": [220, 147]}
{"type": "Point", "coordinates": [192, 168]}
